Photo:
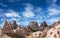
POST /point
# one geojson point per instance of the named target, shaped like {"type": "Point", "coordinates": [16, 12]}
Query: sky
{"type": "Point", "coordinates": [24, 11]}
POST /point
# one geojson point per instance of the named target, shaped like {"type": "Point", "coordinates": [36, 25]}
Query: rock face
{"type": "Point", "coordinates": [20, 32]}
{"type": "Point", "coordinates": [54, 32]}
{"type": "Point", "coordinates": [13, 30]}
{"type": "Point", "coordinates": [14, 25]}
{"type": "Point", "coordinates": [43, 24]}
{"type": "Point", "coordinates": [5, 36]}
{"type": "Point", "coordinates": [39, 34]}
{"type": "Point", "coordinates": [1, 32]}
{"type": "Point", "coordinates": [6, 27]}
{"type": "Point", "coordinates": [33, 25]}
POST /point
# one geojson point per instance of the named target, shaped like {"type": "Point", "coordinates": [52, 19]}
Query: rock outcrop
{"type": "Point", "coordinates": [6, 27]}
{"type": "Point", "coordinates": [33, 26]}
{"type": "Point", "coordinates": [1, 32]}
{"type": "Point", "coordinates": [43, 24]}
{"type": "Point", "coordinates": [54, 32]}
{"type": "Point", "coordinates": [12, 30]}
{"type": "Point", "coordinates": [39, 34]}
{"type": "Point", "coordinates": [14, 24]}
{"type": "Point", "coordinates": [19, 31]}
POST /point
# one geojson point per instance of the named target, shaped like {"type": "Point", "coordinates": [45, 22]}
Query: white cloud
{"type": "Point", "coordinates": [28, 13]}
{"type": "Point", "coordinates": [1, 19]}
{"type": "Point", "coordinates": [27, 22]}
{"type": "Point", "coordinates": [11, 19]}
{"type": "Point", "coordinates": [53, 11]}
{"type": "Point", "coordinates": [12, 13]}
{"type": "Point", "coordinates": [0, 25]}
{"type": "Point", "coordinates": [24, 23]}
{"type": "Point", "coordinates": [13, 0]}
{"type": "Point", "coordinates": [51, 2]}
{"type": "Point", "coordinates": [3, 4]}
{"type": "Point", "coordinates": [38, 10]}
{"type": "Point", "coordinates": [2, 13]}
{"type": "Point", "coordinates": [52, 20]}
{"type": "Point", "coordinates": [1, 10]}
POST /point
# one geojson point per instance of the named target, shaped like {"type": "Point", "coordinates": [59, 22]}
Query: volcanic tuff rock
{"type": "Point", "coordinates": [1, 32]}
{"type": "Point", "coordinates": [43, 24]}
{"type": "Point", "coordinates": [6, 27]}
{"type": "Point", "coordinates": [33, 25]}
{"type": "Point", "coordinates": [54, 32]}
{"type": "Point", "coordinates": [39, 34]}
{"type": "Point", "coordinates": [14, 24]}
{"type": "Point", "coordinates": [13, 30]}
{"type": "Point", "coordinates": [9, 26]}
{"type": "Point", "coordinates": [19, 31]}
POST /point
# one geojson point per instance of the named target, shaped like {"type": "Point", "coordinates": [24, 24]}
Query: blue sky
{"type": "Point", "coordinates": [24, 11]}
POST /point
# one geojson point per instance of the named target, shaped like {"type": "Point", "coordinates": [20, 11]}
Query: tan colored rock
{"type": "Point", "coordinates": [5, 36]}
{"type": "Point", "coordinates": [33, 25]}
{"type": "Point", "coordinates": [14, 24]}
{"type": "Point", "coordinates": [6, 27]}
{"type": "Point", "coordinates": [54, 32]}
{"type": "Point", "coordinates": [43, 24]}
{"type": "Point", "coordinates": [1, 32]}
{"type": "Point", "coordinates": [20, 31]}
{"type": "Point", "coordinates": [39, 34]}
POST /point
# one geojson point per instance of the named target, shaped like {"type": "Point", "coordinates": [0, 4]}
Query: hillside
{"type": "Point", "coordinates": [33, 30]}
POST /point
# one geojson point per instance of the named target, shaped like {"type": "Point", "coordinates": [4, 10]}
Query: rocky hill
{"type": "Point", "coordinates": [33, 30]}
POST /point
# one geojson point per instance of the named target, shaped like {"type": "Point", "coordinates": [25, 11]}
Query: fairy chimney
{"type": "Point", "coordinates": [19, 31]}
{"type": "Point", "coordinates": [14, 25]}
{"type": "Point", "coordinates": [43, 24]}
{"type": "Point", "coordinates": [33, 25]}
{"type": "Point", "coordinates": [6, 27]}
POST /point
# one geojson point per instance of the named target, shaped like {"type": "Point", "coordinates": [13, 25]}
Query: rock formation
{"type": "Point", "coordinates": [12, 30]}
{"type": "Point", "coordinates": [14, 24]}
{"type": "Point", "coordinates": [33, 25]}
{"type": "Point", "coordinates": [39, 34]}
{"type": "Point", "coordinates": [1, 32]}
{"type": "Point", "coordinates": [54, 32]}
{"type": "Point", "coordinates": [20, 31]}
{"type": "Point", "coordinates": [43, 24]}
{"type": "Point", "coordinates": [6, 27]}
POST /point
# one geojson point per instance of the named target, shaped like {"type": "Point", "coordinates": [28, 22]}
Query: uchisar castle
{"type": "Point", "coordinates": [32, 30]}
